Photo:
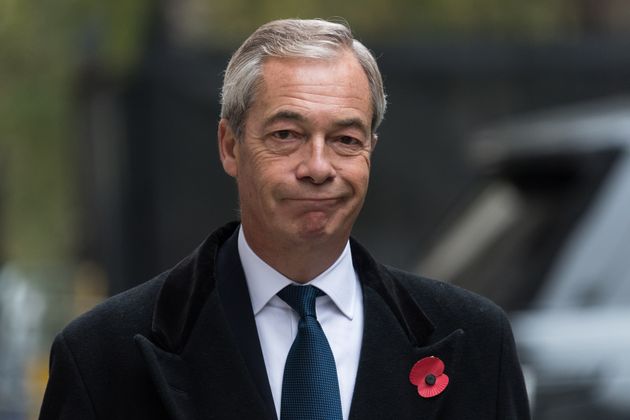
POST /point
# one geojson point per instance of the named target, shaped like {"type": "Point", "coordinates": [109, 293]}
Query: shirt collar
{"type": "Point", "coordinates": [339, 281]}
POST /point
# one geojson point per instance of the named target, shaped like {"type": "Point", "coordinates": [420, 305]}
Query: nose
{"type": "Point", "coordinates": [315, 165]}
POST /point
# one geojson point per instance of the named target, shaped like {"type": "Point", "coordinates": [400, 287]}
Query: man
{"type": "Point", "coordinates": [282, 315]}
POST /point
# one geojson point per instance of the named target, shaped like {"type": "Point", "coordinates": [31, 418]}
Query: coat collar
{"type": "Point", "coordinates": [185, 292]}
{"type": "Point", "coordinates": [415, 323]}
{"type": "Point", "coordinates": [195, 362]}
{"type": "Point", "coordinates": [188, 285]}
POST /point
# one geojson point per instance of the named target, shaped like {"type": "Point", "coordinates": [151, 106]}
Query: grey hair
{"type": "Point", "coordinates": [292, 38]}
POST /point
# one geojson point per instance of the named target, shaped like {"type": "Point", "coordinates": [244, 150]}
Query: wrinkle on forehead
{"type": "Point", "coordinates": [303, 82]}
{"type": "Point", "coordinates": [293, 69]}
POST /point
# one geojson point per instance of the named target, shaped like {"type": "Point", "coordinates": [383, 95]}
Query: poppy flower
{"type": "Point", "coordinates": [428, 375]}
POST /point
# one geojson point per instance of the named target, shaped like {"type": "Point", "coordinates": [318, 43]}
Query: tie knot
{"type": "Point", "coordinates": [301, 299]}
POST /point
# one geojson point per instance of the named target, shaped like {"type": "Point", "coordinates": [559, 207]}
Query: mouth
{"type": "Point", "coordinates": [313, 198]}
{"type": "Point", "coordinates": [315, 202]}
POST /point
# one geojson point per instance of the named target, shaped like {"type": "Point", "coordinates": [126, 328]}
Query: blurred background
{"type": "Point", "coordinates": [502, 166]}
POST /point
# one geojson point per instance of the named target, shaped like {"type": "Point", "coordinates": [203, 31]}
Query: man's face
{"type": "Point", "coordinates": [303, 164]}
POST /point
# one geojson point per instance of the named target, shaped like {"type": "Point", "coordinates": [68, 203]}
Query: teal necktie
{"type": "Point", "coordinates": [310, 390]}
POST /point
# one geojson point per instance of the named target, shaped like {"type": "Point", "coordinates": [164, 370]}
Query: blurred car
{"type": "Point", "coordinates": [545, 232]}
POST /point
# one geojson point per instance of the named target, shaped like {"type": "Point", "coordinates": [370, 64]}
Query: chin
{"type": "Point", "coordinates": [322, 227]}
{"type": "Point", "coordinates": [312, 231]}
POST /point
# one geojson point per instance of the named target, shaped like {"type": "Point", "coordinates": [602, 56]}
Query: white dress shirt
{"type": "Point", "coordinates": [340, 313]}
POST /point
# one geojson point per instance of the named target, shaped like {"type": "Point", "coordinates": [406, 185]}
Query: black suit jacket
{"type": "Point", "coordinates": [184, 345]}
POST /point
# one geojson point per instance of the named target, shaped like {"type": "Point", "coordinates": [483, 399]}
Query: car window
{"type": "Point", "coordinates": [503, 242]}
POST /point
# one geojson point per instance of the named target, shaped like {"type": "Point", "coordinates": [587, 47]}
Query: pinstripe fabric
{"type": "Point", "coordinates": [310, 389]}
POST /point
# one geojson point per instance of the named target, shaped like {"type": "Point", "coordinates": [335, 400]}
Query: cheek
{"type": "Point", "coordinates": [358, 174]}
{"type": "Point", "coordinates": [261, 160]}
{"type": "Point", "coordinates": [261, 172]}
{"type": "Point", "coordinates": [251, 165]}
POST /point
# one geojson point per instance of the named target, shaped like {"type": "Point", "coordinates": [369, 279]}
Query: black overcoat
{"type": "Point", "coordinates": [184, 346]}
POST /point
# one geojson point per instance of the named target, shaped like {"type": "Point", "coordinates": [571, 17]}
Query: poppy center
{"type": "Point", "coordinates": [430, 379]}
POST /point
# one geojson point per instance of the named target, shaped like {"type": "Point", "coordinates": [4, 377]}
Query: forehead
{"type": "Point", "coordinates": [336, 82]}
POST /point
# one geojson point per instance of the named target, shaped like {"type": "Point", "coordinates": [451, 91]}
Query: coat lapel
{"type": "Point", "coordinates": [209, 379]}
{"type": "Point", "coordinates": [193, 356]}
{"type": "Point", "coordinates": [237, 304]}
{"type": "Point", "coordinates": [396, 335]}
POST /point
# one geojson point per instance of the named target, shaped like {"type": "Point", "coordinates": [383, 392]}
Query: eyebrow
{"type": "Point", "coordinates": [284, 115]}
{"type": "Point", "coordinates": [296, 116]}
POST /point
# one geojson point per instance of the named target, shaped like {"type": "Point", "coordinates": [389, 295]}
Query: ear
{"type": "Point", "coordinates": [228, 148]}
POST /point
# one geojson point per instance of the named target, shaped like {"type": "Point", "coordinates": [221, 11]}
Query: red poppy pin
{"type": "Point", "coordinates": [428, 375]}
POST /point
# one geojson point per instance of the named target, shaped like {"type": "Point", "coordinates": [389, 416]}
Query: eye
{"type": "Point", "coordinates": [348, 144]}
{"type": "Point", "coordinates": [284, 142]}
{"type": "Point", "coordinates": [285, 135]}
{"type": "Point", "coordinates": [349, 141]}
